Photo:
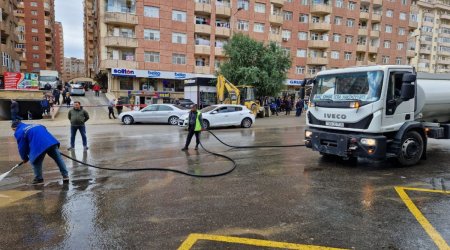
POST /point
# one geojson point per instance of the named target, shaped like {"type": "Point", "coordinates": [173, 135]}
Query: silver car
{"type": "Point", "coordinates": [155, 113]}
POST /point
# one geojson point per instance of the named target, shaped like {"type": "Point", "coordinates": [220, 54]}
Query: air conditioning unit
{"type": "Point", "coordinates": [285, 39]}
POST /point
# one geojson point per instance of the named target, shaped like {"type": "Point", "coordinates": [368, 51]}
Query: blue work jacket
{"type": "Point", "coordinates": [33, 140]}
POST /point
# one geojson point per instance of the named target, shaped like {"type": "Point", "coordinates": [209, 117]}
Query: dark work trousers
{"type": "Point", "coordinates": [111, 112]}
{"type": "Point", "coordinates": [189, 138]}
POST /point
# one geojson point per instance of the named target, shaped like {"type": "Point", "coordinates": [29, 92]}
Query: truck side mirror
{"type": "Point", "coordinates": [408, 91]}
{"type": "Point", "coordinates": [311, 82]}
{"type": "Point", "coordinates": [409, 77]}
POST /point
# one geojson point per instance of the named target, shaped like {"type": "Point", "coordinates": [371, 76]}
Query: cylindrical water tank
{"type": "Point", "coordinates": [433, 100]}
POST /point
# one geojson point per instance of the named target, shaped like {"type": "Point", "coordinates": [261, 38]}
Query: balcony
{"type": "Point", "coordinates": [444, 53]}
{"type": "Point", "coordinates": [20, 5]}
{"type": "Point", "coordinates": [223, 32]}
{"type": "Point", "coordinates": [203, 8]}
{"type": "Point", "coordinates": [374, 33]}
{"type": "Point", "coordinates": [275, 38]}
{"type": "Point", "coordinates": [321, 9]}
{"type": "Point", "coordinates": [48, 60]}
{"type": "Point", "coordinates": [363, 32]}
{"type": "Point", "coordinates": [124, 42]}
{"type": "Point", "coordinates": [202, 49]}
{"type": "Point", "coordinates": [425, 61]}
{"type": "Point", "coordinates": [320, 44]}
{"type": "Point", "coordinates": [317, 60]}
{"type": "Point", "coordinates": [446, 26]}
{"type": "Point", "coordinates": [376, 17]}
{"type": "Point", "coordinates": [277, 2]}
{"type": "Point", "coordinates": [219, 51]}
{"type": "Point", "coordinates": [203, 29]}
{"type": "Point", "coordinates": [120, 18]}
{"type": "Point", "coordinates": [319, 26]}
{"type": "Point", "coordinates": [442, 61]}
{"type": "Point", "coordinates": [361, 48]}
{"type": "Point", "coordinates": [23, 67]}
{"type": "Point", "coordinates": [443, 71]}
{"type": "Point", "coordinates": [364, 15]}
{"type": "Point", "coordinates": [111, 63]}
{"type": "Point", "coordinates": [276, 19]}
{"type": "Point", "coordinates": [373, 49]}
{"type": "Point", "coordinates": [445, 16]}
{"type": "Point", "coordinates": [413, 24]}
{"type": "Point", "coordinates": [202, 70]}
{"type": "Point", "coordinates": [425, 42]}
{"type": "Point", "coordinates": [19, 14]}
{"type": "Point", "coordinates": [425, 4]}
{"type": "Point", "coordinates": [49, 52]}
{"type": "Point", "coordinates": [410, 53]}
{"type": "Point", "coordinates": [425, 51]}
{"type": "Point", "coordinates": [48, 43]}
{"type": "Point", "coordinates": [223, 10]}
{"type": "Point", "coordinates": [377, 2]}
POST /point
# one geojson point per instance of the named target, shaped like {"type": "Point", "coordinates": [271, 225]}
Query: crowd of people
{"type": "Point", "coordinates": [285, 104]}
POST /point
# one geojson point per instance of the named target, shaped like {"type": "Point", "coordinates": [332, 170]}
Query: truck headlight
{"type": "Point", "coordinates": [369, 142]}
{"type": "Point", "coordinates": [308, 134]}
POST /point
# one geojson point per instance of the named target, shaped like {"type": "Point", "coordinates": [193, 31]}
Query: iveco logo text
{"type": "Point", "coordinates": [335, 116]}
{"type": "Point", "coordinates": [123, 71]}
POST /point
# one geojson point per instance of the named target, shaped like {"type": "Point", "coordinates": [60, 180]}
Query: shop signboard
{"type": "Point", "coordinates": [295, 82]}
{"type": "Point", "coordinates": [21, 81]}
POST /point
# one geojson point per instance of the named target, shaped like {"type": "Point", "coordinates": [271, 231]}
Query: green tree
{"type": "Point", "coordinates": [102, 79]}
{"type": "Point", "coordinates": [254, 63]}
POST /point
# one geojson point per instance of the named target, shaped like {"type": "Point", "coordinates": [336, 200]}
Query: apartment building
{"type": "Point", "coordinates": [90, 37]}
{"type": "Point", "coordinates": [431, 41]}
{"type": "Point", "coordinates": [8, 38]}
{"type": "Point", "coordinates": [36, 34]}
{"type": "Point", "coordinates": [150, 46]}
{"type": "Point", "coordinates": [59, 47]}
{"type": "Point", "coordinates": [73, 68]}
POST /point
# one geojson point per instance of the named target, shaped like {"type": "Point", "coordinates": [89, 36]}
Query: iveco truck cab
{"type": "Point", "coordinates": [377, 112]}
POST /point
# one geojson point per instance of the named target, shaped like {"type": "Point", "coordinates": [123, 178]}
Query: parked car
{"type": "Point", "coordinates": [77, 89]}
{"type": "Point", "coordinates": [155, 113]}
{"type": "Point", "coordinates": [187, 103]}
{"type": "Point", "coordinates": [223, 115]}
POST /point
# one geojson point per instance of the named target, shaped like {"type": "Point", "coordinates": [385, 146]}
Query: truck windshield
{"type": "Point", "coordinates": [356, 86]}
{"type": "Point", "coordinates": [47, 78]}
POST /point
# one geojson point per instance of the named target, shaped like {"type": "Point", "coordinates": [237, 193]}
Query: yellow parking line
{"type": "Point", "coordinates": [433, 233]}
{"type": "Point", "coordinates": [193, 238]}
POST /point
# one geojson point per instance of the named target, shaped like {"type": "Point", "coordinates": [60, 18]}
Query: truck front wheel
{"type": "Point", "coordinates": [411, 149]}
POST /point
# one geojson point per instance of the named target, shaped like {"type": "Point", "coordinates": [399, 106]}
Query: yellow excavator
{"type": "Point", "coordinates": [243, 94]}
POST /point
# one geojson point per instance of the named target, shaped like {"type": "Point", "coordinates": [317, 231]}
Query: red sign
{"type": "Point", "coordinates": [22, 81]}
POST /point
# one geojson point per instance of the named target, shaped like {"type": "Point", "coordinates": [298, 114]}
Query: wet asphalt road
{"type": "Point", "coordinates": [284, 195]}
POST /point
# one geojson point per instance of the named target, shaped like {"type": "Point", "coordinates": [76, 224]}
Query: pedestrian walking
{"type": "Point", "coordinates": [78, 118]}
{"type": "Point", "coordinates": [96, 89]}
{"type": "Point", "coordinates": [51, 101]}
{"type": "Point", "coordinates": [57, 95]}
{"type": "Point", "coordinates": [195, 127]}
{"type": "Point", "coordinates": [299, 107]}
{"type": "Point", "coordinates": [274, 108]}
{"type": "Point", "coordinates": [288, 106]}
{"type": "Point", "coordinates": [111, 105]}
{"type": "Point", "coordinates": [34, 143]}
{"type": "Point", "coordinates": [278, 102]}
{"type": "Point", "coordinates": [119, 107]}
{"type": "Point", "coordinates": [44, 106]}
{"type": "Point", "coordinates": [15, 111]}
{"type": "Point", "coordinates": [68, 100]}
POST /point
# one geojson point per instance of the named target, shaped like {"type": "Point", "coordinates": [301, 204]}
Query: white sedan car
{"type": "Point", "coordinates": [223, 115]}
{"type": "Point", "coordinates": [155, 113]}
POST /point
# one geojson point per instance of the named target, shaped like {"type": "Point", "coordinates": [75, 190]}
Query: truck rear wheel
{"type": "Point", "coordinates": [411, 149]}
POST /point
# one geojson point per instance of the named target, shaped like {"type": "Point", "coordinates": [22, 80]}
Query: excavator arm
{"type": "Point", "coordinates": [224, 85]}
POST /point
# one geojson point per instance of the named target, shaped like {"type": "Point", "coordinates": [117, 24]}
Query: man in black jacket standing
{"type": "Point", "coordinates": [15, 111]}
{"type": "Point", "coordinates": [195, 126]}
{"type": "Point", "coordinates": [78, 117]}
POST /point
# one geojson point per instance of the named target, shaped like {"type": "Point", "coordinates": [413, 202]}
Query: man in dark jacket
{"type": "Point", "coordinates": [34, 142]}
{"type": "Point", "coordinates": [15, 111]}
{"type": "Point", "coordinates": [78, 117]}
{"type": "Point", "coordinates": [195, 126]}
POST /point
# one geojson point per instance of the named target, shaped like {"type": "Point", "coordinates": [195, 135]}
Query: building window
{"type": "Point", "coordinates": [151, 35]}
{"type": "Point", "coordinates": [388, 29]}
{"type": "Point", "coordinates": [385, 59]}
{"type": "Point", "coordinates": [398, 61]}
{"type": "Point", "coordinates": [126, 84]}
{"type": "Point", "coordinates": [179, 38]}
{"type": "Point", "coordinates": [287, 16]}
{"type": "Point", "coordinates": [339, 3]}
{"type": "Point", "coordinates": [34, 21]}
{"type": "Point", "coordinates": [301, 53]}
{"type": "Point", "coordinates": [350, 22]}
{"type": "Point", "coordinates": [150, 11]}
{"type": "Point", "coordinates": [258, 27]}
{"type": "Point", "coordinates": [36, 65]}
{"type": "Point", "coordinates": [178, 59]}
{"type": "Point", "coordinates": [351, 5]}
{"type": "Point", "coordinates": [348, 56]}
{"type": "Point", "coordinates": [243, 4]}
{"type": "Point", "coordinates": [179, 16]}
{"type": "Point", "coordinates": [260, 8]}
{"type": "Point", "coordinates": [34, 13]}
{"type": "Point", "coordinates": [303, 18]}
{"type": "Point", "coordinates": [300, 70]}
{"type": "Point", "coordinates": [242, 25]}
{"type": "Point", "coordinates": [302, 36]}
{"type": "Point", "coordinates": [33, 4]}
{"type": "Point", "coordinates": [402, 16]}
{"type": "Point", "coordinates": [34, 30]}
{"type": "Point", "coordinates": [35, 39]}
{"type": "Point", "coordinates": [389, 13]}
{"type": "Point", "coordinates": [349, 39]}
{"type": "Point", "coordinates": [401, 31]}
{"type": "Point", "coordinates": [387, 44]}
{"type": "Point", "coordinates": [400, 46]}
{"type": "Point", "coordinates": [336, 38]}
{"type": "Point", "coordinates": [335, 54]}
{"type": "Point", "coordinates": [337, 20]}
{"type": "Point", "coordinates": [286, 34]}
{"type": "Point", "coordinates": [151, 57]}
{"type": "Point", "coordinates": [304, 2]}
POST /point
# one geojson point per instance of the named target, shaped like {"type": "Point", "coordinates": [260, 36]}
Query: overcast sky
{"type": "Point", "coordinates": [70, 14]}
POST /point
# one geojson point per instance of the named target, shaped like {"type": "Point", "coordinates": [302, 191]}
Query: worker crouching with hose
{"type": "Point", "coordinates": [34, 142]}
{"type": "Point", "coordinates": [195, 127]}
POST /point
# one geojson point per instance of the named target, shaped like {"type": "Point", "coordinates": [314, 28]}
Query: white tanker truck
{"type": "Point", "coordinates": [377, 112]}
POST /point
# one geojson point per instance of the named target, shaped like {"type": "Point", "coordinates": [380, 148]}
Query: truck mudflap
{"type": "Point", "coordinates": [347, 145]}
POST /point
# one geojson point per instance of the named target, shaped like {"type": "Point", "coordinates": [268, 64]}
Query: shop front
{"type": "Point", "coordinates": [143, 87]}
